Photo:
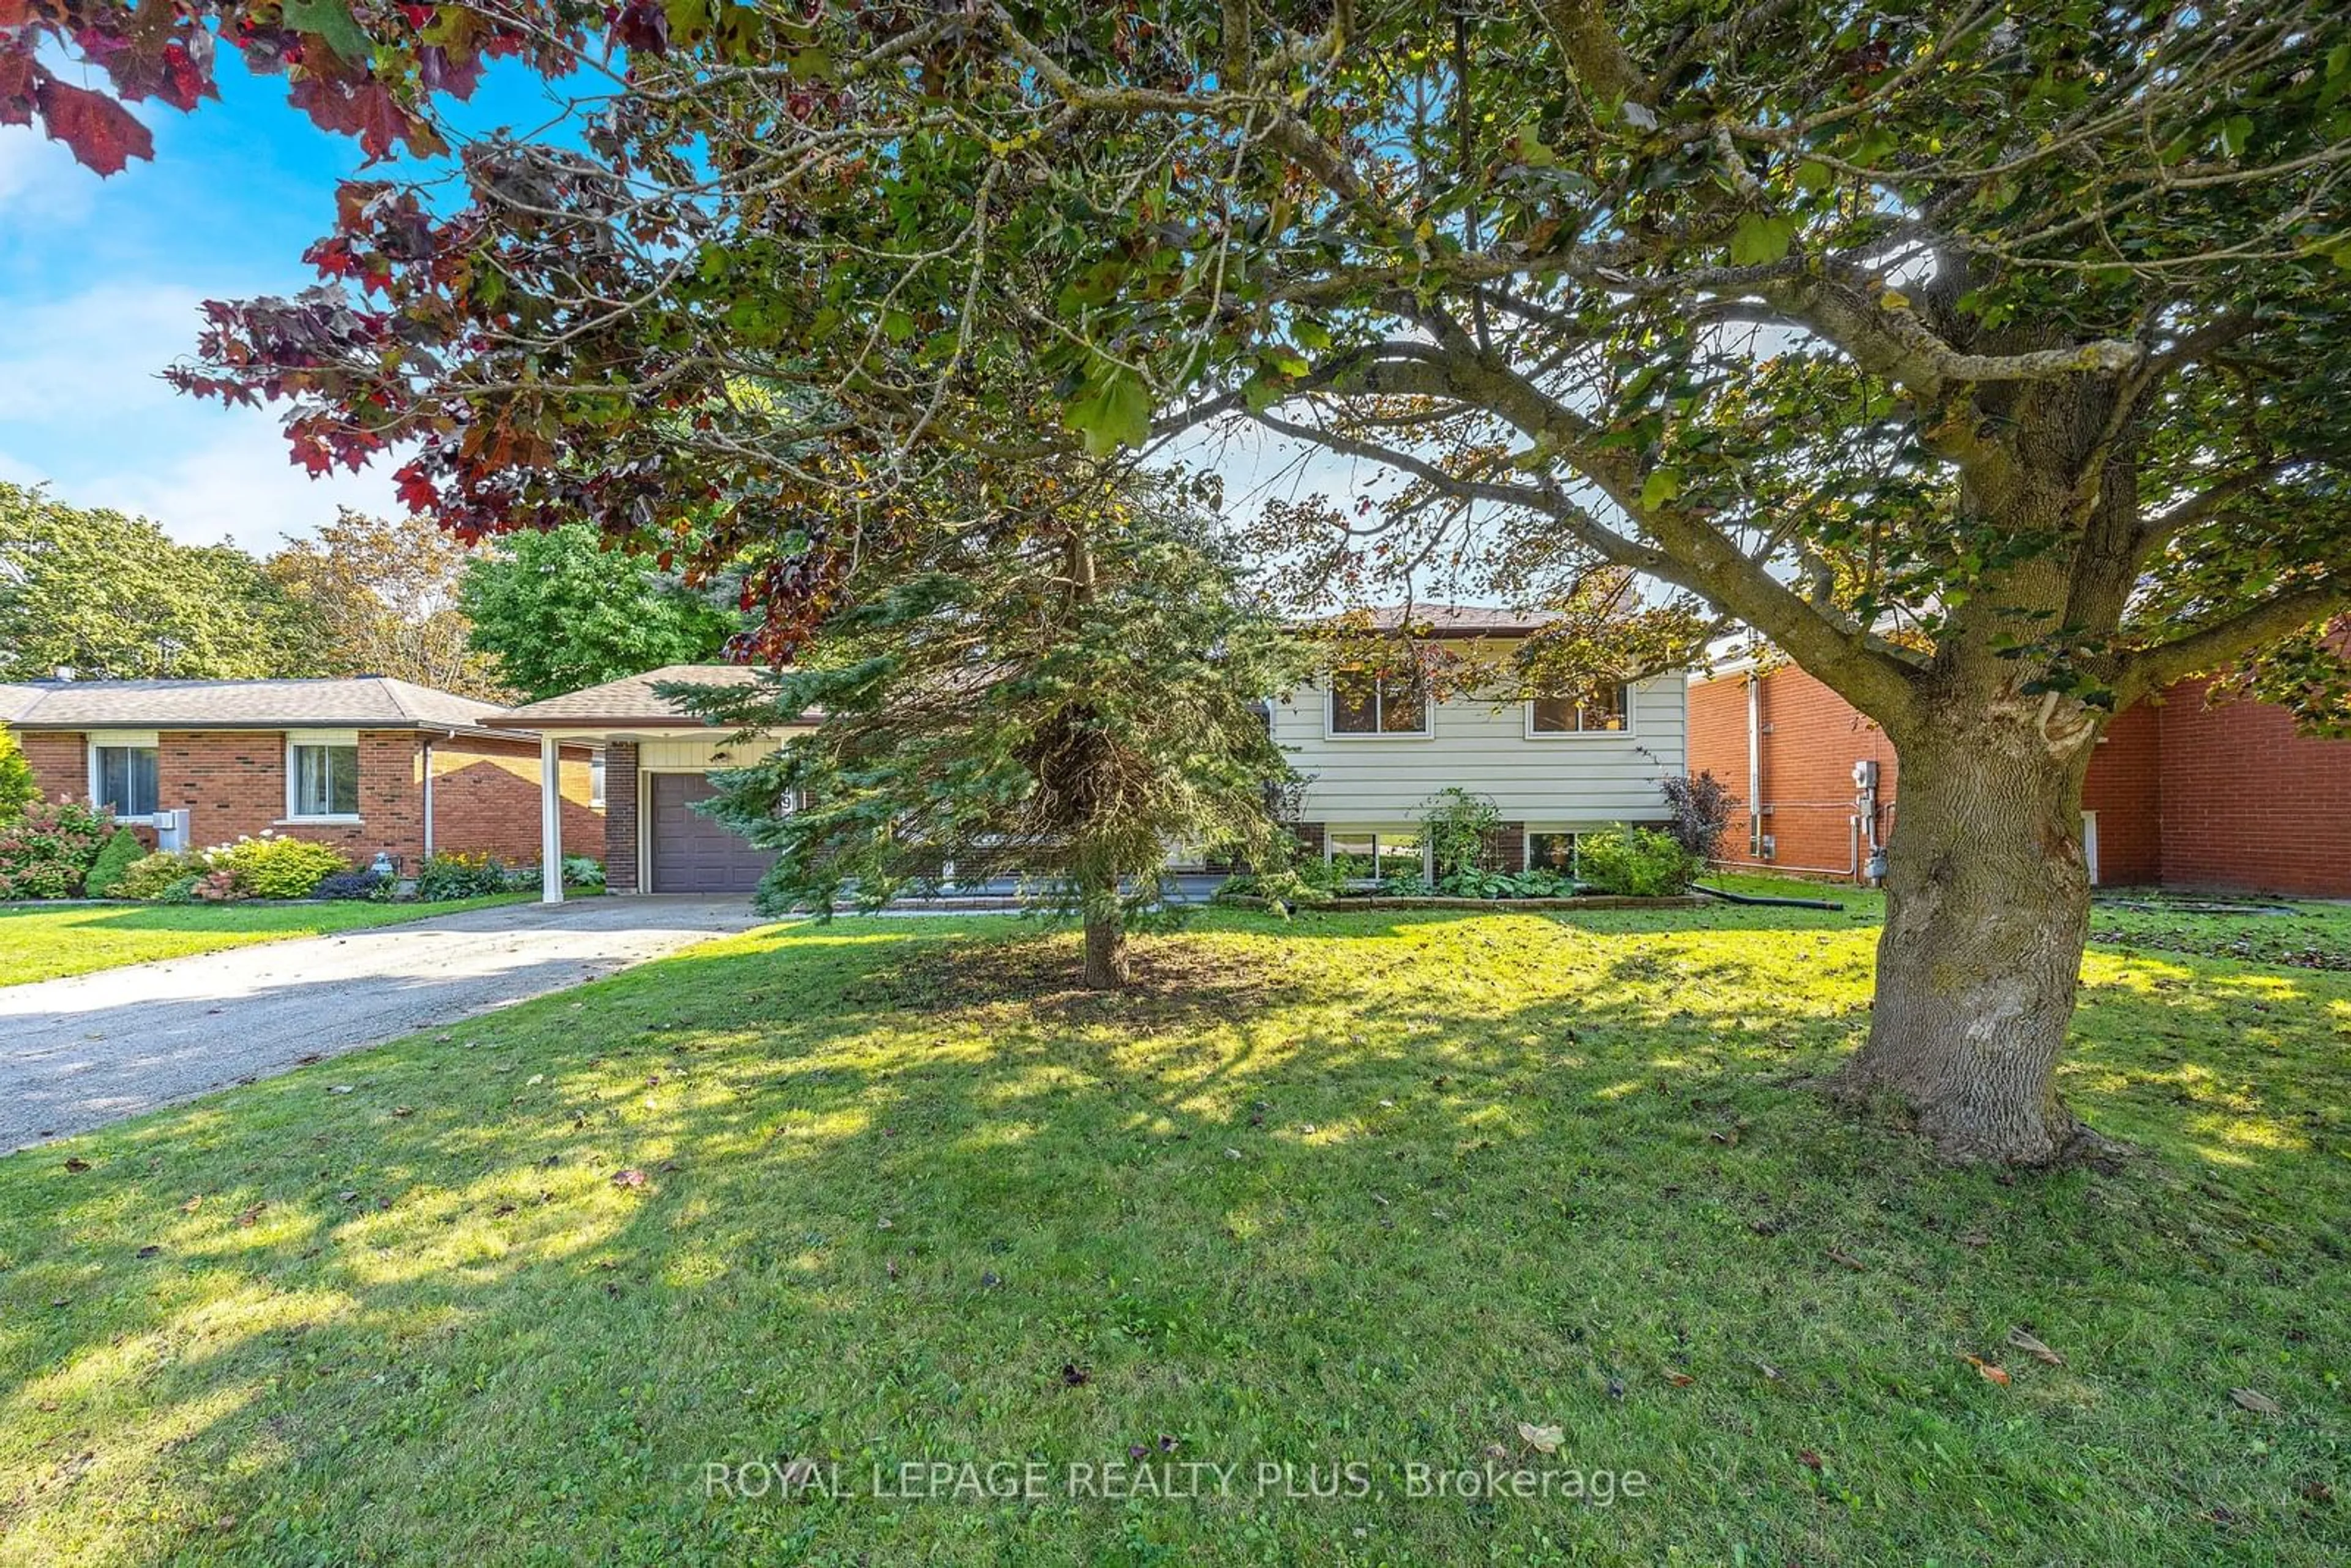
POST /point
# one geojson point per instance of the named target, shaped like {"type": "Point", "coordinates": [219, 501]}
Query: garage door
{"type": "Point", "coordinates": [691, 852]}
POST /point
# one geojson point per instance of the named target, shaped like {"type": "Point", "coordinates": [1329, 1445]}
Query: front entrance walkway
{"type": "Point", "coordinates": [79, 1052]}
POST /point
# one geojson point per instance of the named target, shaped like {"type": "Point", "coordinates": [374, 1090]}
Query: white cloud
{"type": "Point", "coordinates": [39, 181]}
{"type": "Point", "coordinates": [82, 405]}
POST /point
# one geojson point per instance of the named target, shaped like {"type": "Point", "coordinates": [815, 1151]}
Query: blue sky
{"type": "Point", "coordinates": [101, 283]}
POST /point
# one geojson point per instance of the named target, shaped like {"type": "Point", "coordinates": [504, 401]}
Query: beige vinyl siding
{"type": "Point", "coordinates": [697, 751]}
{"type": "Point", "coordinates": [1582, 781]}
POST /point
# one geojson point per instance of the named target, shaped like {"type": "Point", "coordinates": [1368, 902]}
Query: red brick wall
{"type": "Point", "coordinates": [620, 816]}
{"type": "Point", "coordinates": [233, 784]}
{"type": "Point", "coordinates": [1811, 738]}
{"type": "Point", "coordinates": [2123, 789]}
{"type": "Point", "coordinates": [2248, 804]}
{"type": "Point", "coordinates": [60, 764]}
{"type": "Point", "coordinates": [2227, 797]}
{"type": "Point", "coordinates": [485, 800]}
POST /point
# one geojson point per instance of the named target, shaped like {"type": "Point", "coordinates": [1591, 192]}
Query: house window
{"type": "Point", "coordinates": [1552, 853]}
{"type": "Point", "coordinates": [1599, 711]}
{"type": "Point", "coordinates": [324, 780]}
{"type": "Point", "coordinates": [1362, 703]}
{"type": "Point", "coordinates": [595, 779]}
{"type": "Point", "coordinates": [123, 777]}
{"type": "Point", "coordinates": [1366, 857]}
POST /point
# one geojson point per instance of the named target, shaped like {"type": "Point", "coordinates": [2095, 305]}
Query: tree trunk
{"type": "Point", "coordinates": [1987, 905]}
{"type": "Point", "coordinates": [1106, 966]}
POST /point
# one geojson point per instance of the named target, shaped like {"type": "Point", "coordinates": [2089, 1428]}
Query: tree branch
{"type": "Point", "coordinates": [2210, 647]}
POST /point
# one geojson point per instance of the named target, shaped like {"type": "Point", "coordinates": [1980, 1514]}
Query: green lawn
{"type": "Point", "coordinates": [1364, 1189]}
{"type": "Point", "coordinates": [37, 944]}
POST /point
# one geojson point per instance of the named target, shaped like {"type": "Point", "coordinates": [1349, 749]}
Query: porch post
{"type": "Point", "coordinates": [550, 821]}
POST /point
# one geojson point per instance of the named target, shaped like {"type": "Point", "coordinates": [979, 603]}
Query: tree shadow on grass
{"type": "Point", "coordinates": [1381, 1199]}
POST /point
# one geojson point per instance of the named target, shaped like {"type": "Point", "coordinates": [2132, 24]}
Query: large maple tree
{"type": "Point", "coordinates": [1986, 358]}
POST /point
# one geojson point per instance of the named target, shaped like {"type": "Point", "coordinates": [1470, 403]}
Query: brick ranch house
{"type": "Point", "coordinates": [2223, 797]}
{"type": "Point", "coordinates": [368, 765]}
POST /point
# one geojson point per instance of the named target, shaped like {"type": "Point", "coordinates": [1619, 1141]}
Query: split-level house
{"type": "Point", "coordinates": [1372, 746]}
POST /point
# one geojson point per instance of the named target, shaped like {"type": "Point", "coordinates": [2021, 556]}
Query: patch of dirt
{"type": "Point", "coordinates": [1176, 979]}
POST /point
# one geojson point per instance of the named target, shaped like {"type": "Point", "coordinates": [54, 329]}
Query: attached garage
{"type": "Point", "coordinates": [688, 852]}
{"type": "Point", "coordinates": [657, 763]}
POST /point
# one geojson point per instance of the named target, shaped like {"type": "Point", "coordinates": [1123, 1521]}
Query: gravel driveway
{"type": "Point", "coordinates": [77, 1053]}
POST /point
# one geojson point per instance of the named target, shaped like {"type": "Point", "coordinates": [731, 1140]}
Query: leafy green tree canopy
{"type": "Point", "coordinates": [110, 596]}
{"type": "Point", "coordinates": [379, 597]}
{"type": "Point", "coordinates": [563, 609]}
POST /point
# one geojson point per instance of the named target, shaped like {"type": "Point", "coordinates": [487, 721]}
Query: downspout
{"type": "Point", "coordinates": [1754, 766]}
{"type": "Point", "coordinates": [428, 796]}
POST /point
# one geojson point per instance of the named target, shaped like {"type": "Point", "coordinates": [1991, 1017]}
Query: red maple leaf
{"type": "Point", "coordinates": [102, 133]}
{"type": "Point", "coordinates": [16, 88]}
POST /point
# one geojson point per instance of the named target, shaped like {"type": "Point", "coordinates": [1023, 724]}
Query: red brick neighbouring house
{"type": "Point", "coordinates": [368, 765]}
{"type": "Point", "coordinates": [2224, 797]}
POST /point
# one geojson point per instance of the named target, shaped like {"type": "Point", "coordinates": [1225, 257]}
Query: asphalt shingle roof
{"type": "Point", "coordinates": [360, 701]}
{"type": "Point", "coordinates": [630, 700]}
{"type": "Point", "coordinates": [1438, 619]}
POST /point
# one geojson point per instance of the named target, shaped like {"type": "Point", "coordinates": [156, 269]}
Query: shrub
{"type": "Point", "coordinates": [272, 867]}
{"type": "Point", "coordinates": [583, 871]}
{"type": "Point", "coordinates": [1454, 824]}
{"type": "Point", "coordinates": [149, 875]}
{"type": "Point", "coordinates": [18, 790]}
{"type": "Point", "coordinates": [354, 884]}
{"type": "Point", "coordinates": [48, 853]}
{"type": "Point", "coordinates": [120, 853]}
{"type": "Point", "coordinates": [1536, 882]}
{"type": "Point", "coordinates": [181, 888]}
{"type": "Point", "coordinates": [1702, 808]}
{"type": "Point", "coordinates": [459, 875]}
{"type": "Point", "coordinates": [1637, 863]}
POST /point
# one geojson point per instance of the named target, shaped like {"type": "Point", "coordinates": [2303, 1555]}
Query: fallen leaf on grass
{"type": "Point", "coordinates": [1986, 1370]}
{"type": "Point", "coordinates": [339, 1089]}
{"type": "Point", "coordinates": [630, 1177]}
{"type": "Point", "coordinates": [77, 1165]}
{"type": "Point", "coordinates": [1681, 1379]}
{"type": "Point", "coordinates": [193, 1204]}
{"type": "Point", "coordinates": [1809, 1460]}
{"type": "Point", "coordinates": [1074, 1375]}
{"type": "Point", "coordinates": [404, 1110]}
{"type": "Point", "coordinates": [2254, 1400]}
{"type": "Point", "coordinates": [1848, 1260]}
{"type": "Point", "coordinates": [2033, 1347]}
{"type": "Point", "coordinates": [147, 1251]}
{"type": "Point", "coordinates": [1542, 1440]}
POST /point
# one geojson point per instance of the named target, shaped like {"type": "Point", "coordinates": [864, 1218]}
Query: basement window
{"type": "Point", "coordinates": [1552, 853]}
{"type": "Point", "coordinates": [1371, 857]}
